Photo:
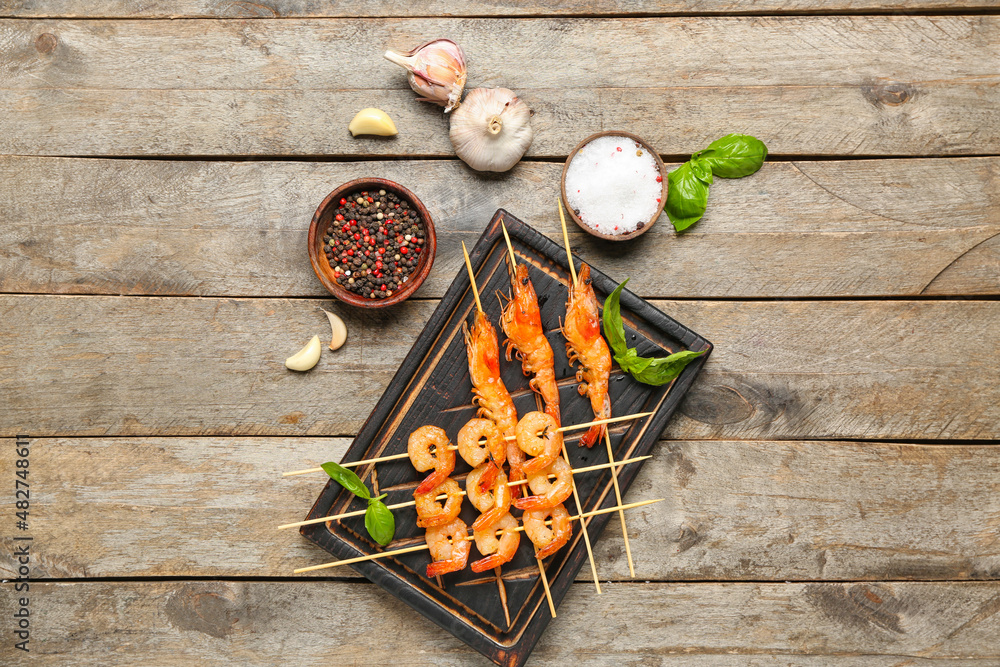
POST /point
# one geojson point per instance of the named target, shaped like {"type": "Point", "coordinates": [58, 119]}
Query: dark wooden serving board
{"type": "Point", "coordinates": [432, 386]}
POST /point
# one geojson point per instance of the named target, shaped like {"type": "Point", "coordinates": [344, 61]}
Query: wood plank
{"type": "Point", "coordinates": [802, 229]}
{"type": "Point", "coordinates": [861, 85]}
{"type": "Point", "coordinates": [837, 121]}
{"type": "Point", "coordinates": [761, 511]}
{"type": "Point", "coordinates": [368, 8]}
{"type": "Point", "coordinates": [263, 623]}
{"type": "Point", "coordinates": [208, 366]}
{"type": "Point", "coordinates": [320, 55]}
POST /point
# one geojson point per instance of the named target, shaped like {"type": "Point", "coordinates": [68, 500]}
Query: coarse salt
{"type": "Point", "coordinates": [611, 185]}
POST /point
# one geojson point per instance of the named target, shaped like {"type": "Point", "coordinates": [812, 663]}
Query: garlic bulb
{"type": "Point", "coordinates": [437, 71]}
{"type": "Point", "coordinates": [491, 130]}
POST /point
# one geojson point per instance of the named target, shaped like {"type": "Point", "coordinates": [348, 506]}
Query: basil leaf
{"type": "Point", "coordinates": [650, 370]}
{"type": "Point", "coordinates": [614, 331]}
{"type": "Point", "coordinates": [687, 197]}
{"type": "Point", "coordinates": [346, 478]}
{"type": "Point", "coordinates": [631, 361]}
{"type": "Point", "coordinates": [702, 170]}
{"type": "Point", "coordinates": [733, 156]}
{"type": "Point", "coordinates": [380, 522]}
{"type": "Point", "coordinates": [662, 370]}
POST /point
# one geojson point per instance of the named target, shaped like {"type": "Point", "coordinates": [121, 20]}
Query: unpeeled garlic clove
{"type": "Point", "coordinates": [491, 130]}
{"type": "Point", "coordinates": [338, 330]}
{"type": "Point", "coordinates": [372, 121]}
{"type": "Point", "coordinates": [437, 71]}
{"type": "Point", "coordinates": [305, 358]}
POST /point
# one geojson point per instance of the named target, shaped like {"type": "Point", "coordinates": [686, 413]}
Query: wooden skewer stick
{"type": "Point", "coordinates": [503, 594]}
{"type": "Point", "coordinates": [396, 457]}
{"type": "Point", "coordinates": [569, 255]}
{"type": "Point", "coordinates": [510, 248]}
{"type": "Point", "coordinates": [583, 526]}
{"type": "Point", "coordinates": [545, 585]}
{"type": "Point", "coordinates": [411, 503]}
{"type": "Point", "coordinates": [420, 547]}
{"type": "Point", "coordinates": [596, 466]}
{"type": "Point", "coordinates": [609, 420]}
{"type": "Point", "coordinates": [618, 497]}
{"type": "Point", "coordinates": [472, 278]}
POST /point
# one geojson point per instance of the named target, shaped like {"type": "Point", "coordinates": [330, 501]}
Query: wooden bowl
{"type": "Point", "coordinates": [324, 215]}
{"type": "Point", "coordinates": [587, 228]}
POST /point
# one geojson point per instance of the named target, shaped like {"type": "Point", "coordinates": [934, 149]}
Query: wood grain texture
{"type": "Point", "coordinates": [762, 511]}
{"type": "Point", "coordinates": [860, 85]}
{"type": "Point", "coordinates": [207, 366]}
{"type": "Point", "coordinates": [263, 623]}
{"type": "Point", "coordinates": [802, 229]}
{"type": "Point", "coordinates": [373, 8]}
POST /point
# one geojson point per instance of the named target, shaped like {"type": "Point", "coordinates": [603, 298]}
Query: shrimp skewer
{"type": "Point", "coordinates": [430, 512]}
{"type": "Point", "coordinates": [488, 390]}
{"type": "Point", "coordinates": [428, 447]}
{"type": "Point", "coordinates": [497, 551]}
{"type": "Point", "coordinates": [411, 503]}
{"type": "Point", "coordinates": [521, 321]}
{"type": "Point", "coordinates": [449, 546]}
{"type": "Point", "coordinates": [395, 457]}
{"type": "Point", "coordinates": [548, 540]}
{"type": "Point", "coordinates": [471, 448]}
{"type": "Point", "coordinates": [406, 550]}
{"type": "Point", "coordinates": [493, 502]}
{"type": "Point", "coordinates": [538, 435]}
{"type": "Point", "coordinates": [586, 346]}
{"type": "Point", "coordinates": [548, 493]}
{"type": "Point", "coordinates": [494, 402]}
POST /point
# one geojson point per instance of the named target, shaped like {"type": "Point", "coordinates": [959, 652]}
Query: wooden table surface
{"type": "Point", "coordinates": [832, 480]}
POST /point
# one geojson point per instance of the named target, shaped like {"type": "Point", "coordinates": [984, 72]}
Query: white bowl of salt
{"type": "Point", "coordinates": [614, 185]}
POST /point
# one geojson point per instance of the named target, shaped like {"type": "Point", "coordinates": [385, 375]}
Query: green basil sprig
{"type": "Point", "coordinates": [648, 370]}
{"type": "Point", "coordinates": [379, 521]}
{"type": "Point", "coordinates": [732, 156]}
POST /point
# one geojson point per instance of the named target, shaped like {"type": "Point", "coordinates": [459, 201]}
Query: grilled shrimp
{"type": "Point", "coordinates": [547, 540]}
{"type": "Point", "coordinates": [537, 436]}
{"type": "Point", "coordinates": [449, 546]}
{"type": "Point", "coordinates": [585, 345]}
{"type": "Point", "coordinates": [430, 512]}
{"type": "Point", "coordinates": [497, 551]}
{"type": "Point", "coordinates": [548, 493]}
{"type": "Point", "coordinates": [429, 447]}
{"type": "Point", "coordinates": [522, 323]}
{"type": "Point", "coordinates": [475, 452]}
{"type": "Point", "coordinates": [493, 502]}
{"type": "Point", "coordinates": [489, 391]}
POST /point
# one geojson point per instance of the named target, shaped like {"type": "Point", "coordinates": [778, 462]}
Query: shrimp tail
{"type": "Point", "coordinates": [596, 432]}
{"type": "Point", "coordinates": [488, 518]}
{"type": "Point", "coordinates": [593, 434]}
{"type": "Point", "coordinates": [440, 567]}
{"type": "Point", "coordinates": [490, 562]}
{"type": "Point", "coordinates": [536, 464]}
{"type": "Point", "coordinates": [533, 503]}
{"type": "Point", "coordinates": [489, 476]}
{"type": "Point", "coordinates": [434, 520]}
{"type": "Point", "coordinates": [433, 479]}
{"type": "Point", "coordinates": [550, 549]}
